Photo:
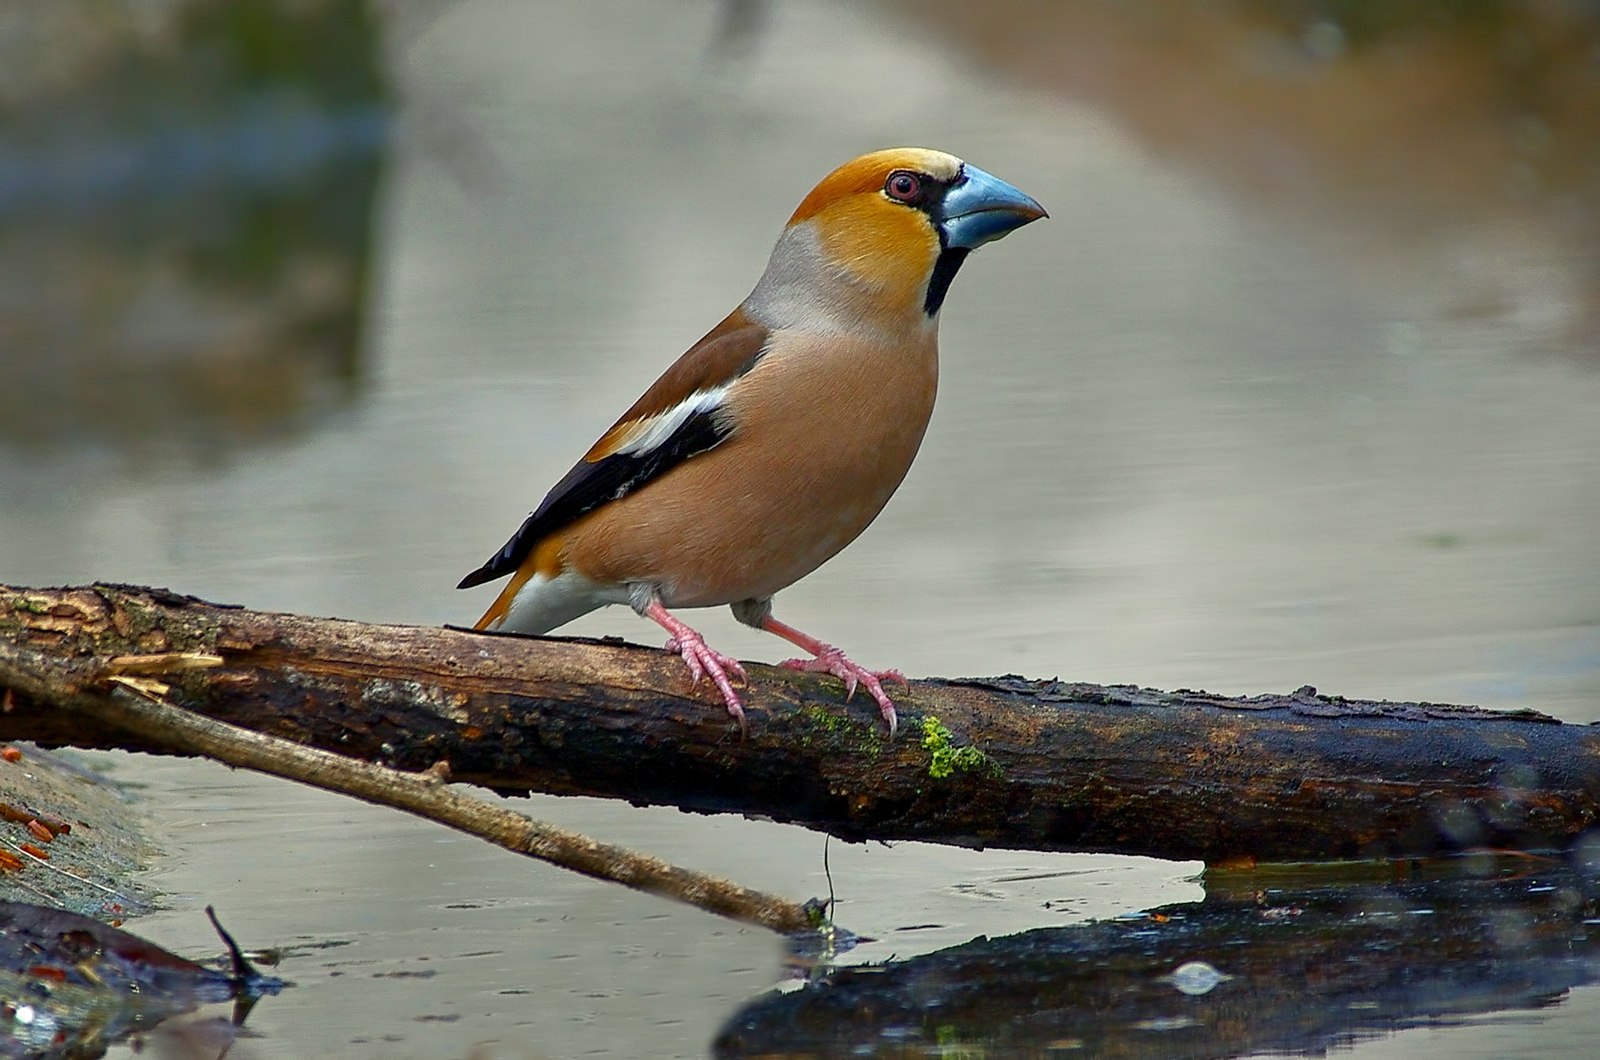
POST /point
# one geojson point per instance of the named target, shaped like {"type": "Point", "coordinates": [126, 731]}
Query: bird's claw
{"type": "Point", "coordinates": [704, 661]}
{"type": "Point", "coordinates": [831, 660]}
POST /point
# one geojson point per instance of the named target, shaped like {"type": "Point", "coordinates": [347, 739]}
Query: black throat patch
{"type": "Point", "coordinates": [944, 271]}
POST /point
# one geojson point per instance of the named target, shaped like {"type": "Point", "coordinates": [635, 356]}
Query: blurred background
{"type": "Point", "coordinates": [304, 305]}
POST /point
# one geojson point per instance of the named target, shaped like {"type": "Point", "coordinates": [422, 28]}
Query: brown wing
{"type": "Point", "coordinates": [679, 417]}
{"type": "Point", "coordinates": [723, 354]}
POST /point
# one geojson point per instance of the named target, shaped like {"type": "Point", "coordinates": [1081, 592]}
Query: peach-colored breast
{"type": "Point", "coordinates": [827, 428]}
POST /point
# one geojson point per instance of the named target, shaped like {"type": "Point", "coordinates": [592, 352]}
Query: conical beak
{"type": "Point", "coordinates": [981, 207]}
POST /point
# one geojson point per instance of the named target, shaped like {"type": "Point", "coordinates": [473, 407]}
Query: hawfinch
{"type": "Point", "coordinates": [780, 435]}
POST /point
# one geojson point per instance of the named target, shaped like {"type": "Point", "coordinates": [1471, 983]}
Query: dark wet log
{"type": "Point", "coordinates": [1283, 967]}
{"type": "Point", "coordinates": [997, 762]}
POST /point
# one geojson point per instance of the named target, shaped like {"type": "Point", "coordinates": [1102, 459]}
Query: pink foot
{"type": "Point", "coordinates": [702, 660]}
{"type": "Point", "coordinates": [831, 660]}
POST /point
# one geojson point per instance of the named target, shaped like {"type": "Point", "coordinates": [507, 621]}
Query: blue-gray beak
{"type": "Point", "coordinates": [980, 207]}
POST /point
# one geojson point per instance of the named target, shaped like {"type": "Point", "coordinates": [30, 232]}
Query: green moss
{"type": "Point", "coordinates": [945, 759]}
{"type": "Point", "coordinates": [838, 733]}
{"type": "Point", "coordinates": [33, 607]}
{"type": "Point", "coordinates": [824, 719]}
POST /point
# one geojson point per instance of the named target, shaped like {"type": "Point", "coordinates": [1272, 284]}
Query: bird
{"type": "Point", "coordinates": [776, 439]}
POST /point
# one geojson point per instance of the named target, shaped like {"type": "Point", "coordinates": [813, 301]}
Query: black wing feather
{"type": "Point", "coordinates": [589, 485]}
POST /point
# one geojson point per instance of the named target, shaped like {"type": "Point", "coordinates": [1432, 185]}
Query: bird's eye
{"type": "Point", "coordinates": [904, 186]}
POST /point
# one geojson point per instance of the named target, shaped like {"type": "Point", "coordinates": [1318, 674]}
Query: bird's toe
{"type": "Point", "coordinates": [834, 662]}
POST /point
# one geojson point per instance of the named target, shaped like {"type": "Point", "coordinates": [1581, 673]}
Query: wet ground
{"type": "Point", "coordinates": [1296, 386]}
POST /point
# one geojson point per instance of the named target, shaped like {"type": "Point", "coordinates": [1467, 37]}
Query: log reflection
{"type": "Point", "coordinates": [1263, 963]}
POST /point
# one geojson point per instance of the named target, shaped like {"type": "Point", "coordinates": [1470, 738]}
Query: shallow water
{"type": "Point", "coordinates": [1228, 420]}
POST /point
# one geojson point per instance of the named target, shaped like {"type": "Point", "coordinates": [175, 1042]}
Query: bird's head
{"type": "Point", "coordinates": [883, 235]}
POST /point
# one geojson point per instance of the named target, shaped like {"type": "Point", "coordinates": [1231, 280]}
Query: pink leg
{"type": "Point", "coordinates": [701, 659]}
{"type": "Point", "coordinates": [830, 660]}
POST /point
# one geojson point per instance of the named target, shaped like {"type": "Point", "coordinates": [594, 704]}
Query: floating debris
{"type": "Point", "coordinates": [69, 984]}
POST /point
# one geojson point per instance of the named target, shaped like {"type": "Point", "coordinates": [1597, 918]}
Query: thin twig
{"type": "Point", "coordinates": [49, 899]}
{"type": "Point", "coordinates": [425, 796]}
{"type": "Point", "coordinates": [133, 707]}
{"type": "Point", "coordinates": [69, 874]}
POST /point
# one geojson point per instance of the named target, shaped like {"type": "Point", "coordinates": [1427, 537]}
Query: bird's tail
{"type": "Point", "coordinates": [535, 602]}
{"type": "Point", "coordinates": [500, 611]}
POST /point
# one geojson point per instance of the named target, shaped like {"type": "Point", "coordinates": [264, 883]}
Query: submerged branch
{"type": "Point", "coordinates": [998, 762]}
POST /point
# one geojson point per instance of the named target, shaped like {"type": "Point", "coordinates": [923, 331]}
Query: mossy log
{"type": "Point", "coordinates": [1006, 762]}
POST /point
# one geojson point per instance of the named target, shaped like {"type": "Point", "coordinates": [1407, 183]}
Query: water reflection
{"type": "Point", "coordinates": [1263, 964]}
{"type": "Point", "coordinates": [71, 987]}
{"type": "Point", "coordinates": [186, 198]}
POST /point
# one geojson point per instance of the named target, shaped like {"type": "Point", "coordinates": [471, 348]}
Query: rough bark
{"type": "Point", "coordinates": [1000, 761]}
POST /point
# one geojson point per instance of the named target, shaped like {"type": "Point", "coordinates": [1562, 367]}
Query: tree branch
{"type": "Point", "coordinates": [1000, 762]}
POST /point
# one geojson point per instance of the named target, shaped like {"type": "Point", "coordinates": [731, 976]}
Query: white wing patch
{"type": "Point", "coordinates": [653, 431]}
